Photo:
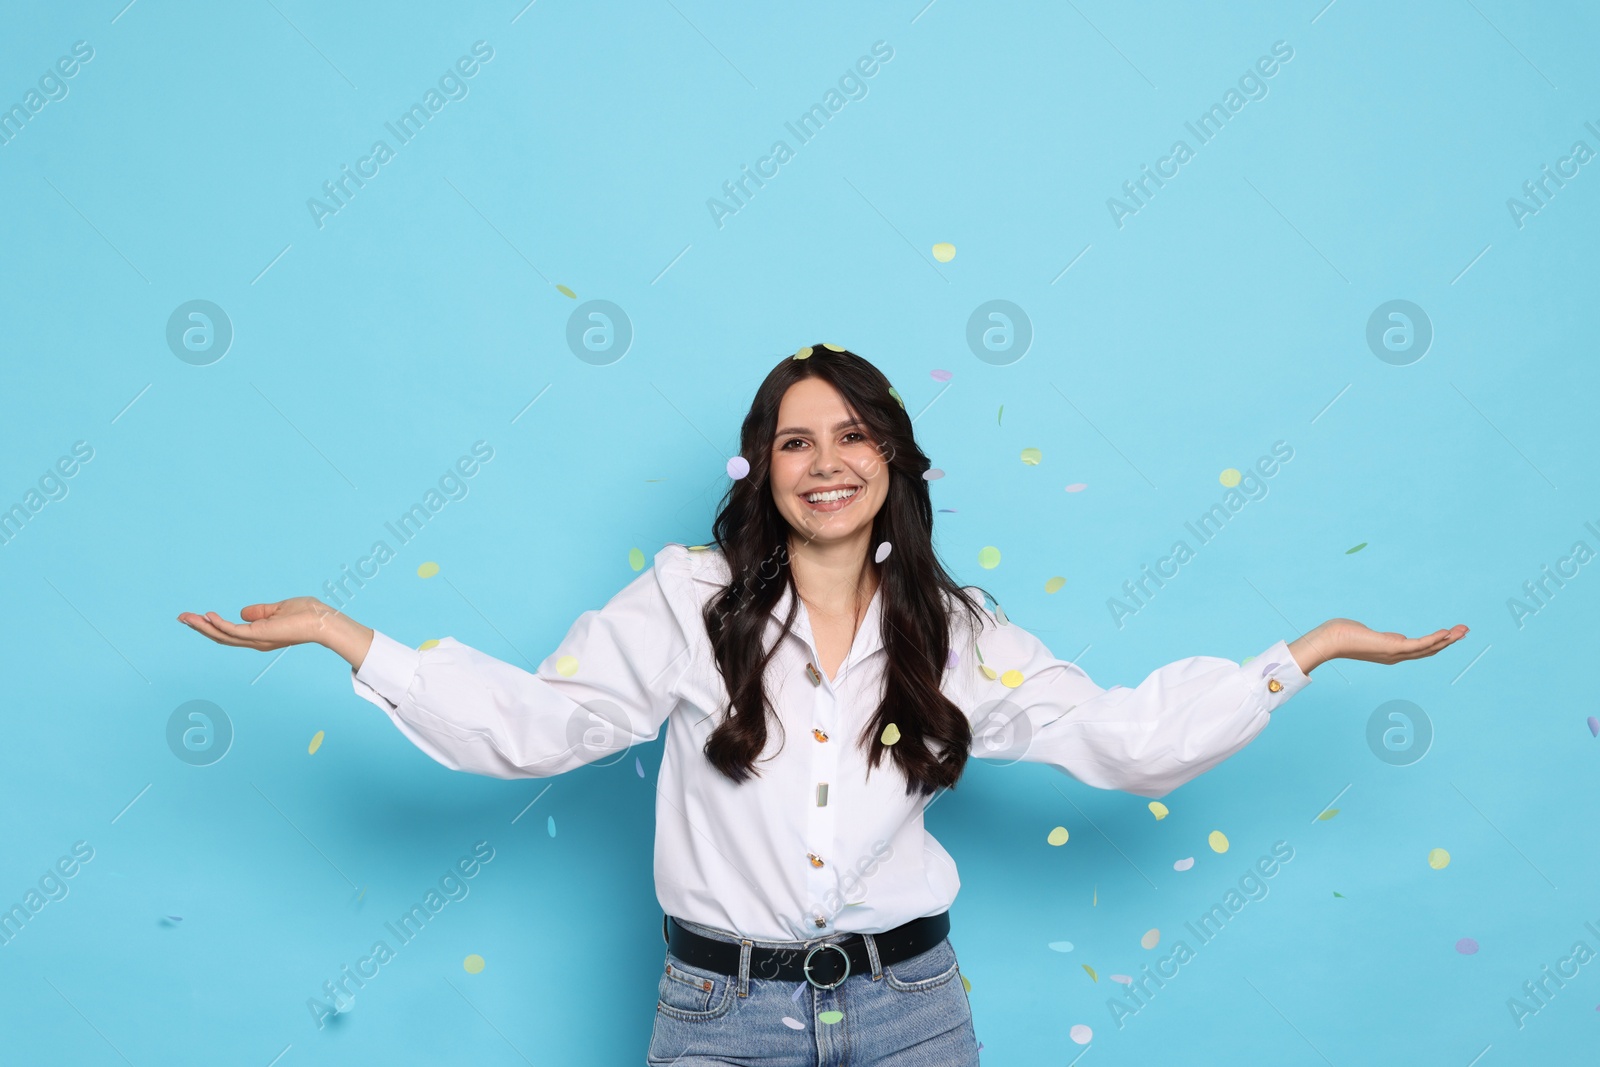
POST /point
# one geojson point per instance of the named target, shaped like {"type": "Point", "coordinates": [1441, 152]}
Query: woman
{"type": "Point", "coordinates": [805, 905]}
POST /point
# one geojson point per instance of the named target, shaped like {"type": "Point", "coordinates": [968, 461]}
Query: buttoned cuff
{"type": "Point", "coordinates": [387, 670]}
{"type": "Point", "coordinates": [1276, 664]}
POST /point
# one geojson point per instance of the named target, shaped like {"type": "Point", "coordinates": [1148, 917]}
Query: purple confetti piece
{"type": "Point", "coordinates": [1269, 667]}
{"type": "Point", "coordinates": [950, 510]}
{"type": "Point", "coordinates": [1467, 946]}
{"type": "Point", "coordinates": [952, 659]}
{"type": "Point", "coordinates": [882, 553]}
{"type": "Point", "coordinates": [1076, 487]}
{"type": "Point", "coordinates": [801, 988]}
{"type": "Point", "coordinates": [1594, 726]}
{"type": "Point", "coordinates": [738, 467]}
{"type": "Point", "coordinates": [637, 766]}
{"type": "Point", "coordinates": [939, 375]}
{"type": "Point", "coordinates": [932, 474]}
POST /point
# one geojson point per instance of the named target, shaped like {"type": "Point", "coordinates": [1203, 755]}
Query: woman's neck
{"type": "Point", "coordinates": [834, 579]}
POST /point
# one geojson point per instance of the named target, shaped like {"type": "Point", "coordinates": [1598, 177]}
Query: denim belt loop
{"type": "Point", "coordinates": [745, 945]}
{"type": "Point", "coordinates": [872, 954]}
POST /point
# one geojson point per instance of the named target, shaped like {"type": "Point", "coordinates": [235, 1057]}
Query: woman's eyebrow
{"type": "Point", "coordinates": [836, 426]}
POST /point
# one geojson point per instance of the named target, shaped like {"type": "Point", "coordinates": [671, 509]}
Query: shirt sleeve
{"type": "Point", "coordinates": [1181, 721]}
{"type": "Point", "coordinates": [608, 685]}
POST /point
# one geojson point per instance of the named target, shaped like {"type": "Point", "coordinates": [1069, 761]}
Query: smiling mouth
{"type": "Point", "coordinates": [830, 505]}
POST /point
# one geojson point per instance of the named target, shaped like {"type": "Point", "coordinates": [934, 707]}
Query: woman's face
{"type": "Point", "coordinates": [819, 447]}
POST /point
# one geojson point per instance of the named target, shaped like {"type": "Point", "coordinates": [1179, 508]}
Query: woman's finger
{"type": "Point", "coordinates": [204, 626]}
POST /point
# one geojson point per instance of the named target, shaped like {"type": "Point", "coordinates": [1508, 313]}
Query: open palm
{"type": "Point", "coordinates": [1356, 641]}
{"type": "Point", "coordinates": [266, 626]}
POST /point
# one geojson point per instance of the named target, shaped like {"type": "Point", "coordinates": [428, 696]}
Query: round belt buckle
{"type": "Point", "coordinates": [840, 951]}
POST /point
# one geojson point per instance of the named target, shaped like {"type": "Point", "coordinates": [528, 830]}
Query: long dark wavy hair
{"type": "Point", "coordinates": [916, 592]}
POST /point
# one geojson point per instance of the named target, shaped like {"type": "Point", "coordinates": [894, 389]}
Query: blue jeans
{"type": "Point", "coordinates": [914, 1013]}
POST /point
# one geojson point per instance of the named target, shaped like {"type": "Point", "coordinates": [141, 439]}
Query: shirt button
{"type": "Point", "coordinates": [1273, 685]}
{"type": "Point", "coordinates": [813, 674]}
{"type": "Point", "coordinates": [816, 860]}
{"type": "Point", "coordinates": [819, 920]}
{"type": "Point", "coordinates": [818, 734]}
{"type": "Point", "coordinates": [822, 794]}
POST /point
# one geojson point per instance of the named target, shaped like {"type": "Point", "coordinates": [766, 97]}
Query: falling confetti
{"type": "Point", "coordinates": [1438, 859]}
{"type": "Point", "coordinates": [738, 467]}
{"type": "Point", "coordinates": [988, 557]}
{"type": "Point", "coordinates": [989, 672]}
{"type": "Point", "coordinates": [932, 474]}
{"type": "Point", "coordinates": [1325, 816]}
{"type": "Point", "coordinates": [567, 666]}
{"type": "Point", "coordinates": [882, 553]}
{"type": "Point", "coordinates": [638, 767]}
{"type": "Point", "coordinates": [999, 414]}
{"type": "Point", "coordinates": [832, 348]}
{"type": "Point", "coordinates": [1057, 836]}
{"type": "Point", "coordinates": [968, 987]}
{"type": "Point", "coordinates": [1032, 456]}
{"type": "Point", "coordinates": [1122, 978]}
{"type": "Point", "coordinates": [1594, 726]}
{"type": "Point", "coordinates": [896, 394]}
{"type": "Point", "coordinates": [830, 1017]}
{"type": "Point", "coordinates": [1218, 841]}
{"type": "Point", "coordinates": [1061, 946]}
{"type": "Point", "coordinates": [1358, 548]}
{"type": "Point", "coordinates": [316, 743]}
{"type": "Point", "coordinates": [952, 659]}
{"type": "Point", "coordinates": [427, 570]}
{"type": "Point", "coordinates": [1081, 1034]}
{"type": "Point", "coordinates": [1340, 895]}
{"type": "Point", "coordinates": [794, 1024]}
{"type": "Point", "coordinates": [1054, 585]}
{"type": "Point", "coordinates": [1151, 938]}
{"type": "Point", "coordinates": [636, 559]}
{"type": "Point", "coordinates": [804, 353]}
{"type": "Point", "coordinates": [1158, 809]}
{"type": "Point", "coordinates": [473, 964]}
{"type": "Point", "coordinates": [1011, 679]}
{"type": "Point", "coordinates": [950, 510]}
{"type": "Point", "coordinates": [939, 375]}
{"type": "Point", "coordinates": [1267, 668]}
{"type": "Point", "coordinates": [550, 825]}
{"type": "Point", "coordinates": [564, 291]}
{"type": "Point", "coordinates": [891, 734]}
{"type": "Point", "coordinates": [1095, 903]}
{"type": "Point", "coordinates": [1090, 970]}
{"type": "Point", "coordinates": [801, 988]}
{"type": "Point", "coordinates": [175, 918]}
{"type": "Point", "coordinates": [1229, 477]}
{"type": "Point", "coordinates": [1467, 946]}
{"type": "Point", "coordinates": [1184, 864]}
{"type": "Point", "coordinates": [431, 642]}
{"type": "Point", "coordinates": [1076, 487]}
{"type": "Point", "coordinates": [944, 251]}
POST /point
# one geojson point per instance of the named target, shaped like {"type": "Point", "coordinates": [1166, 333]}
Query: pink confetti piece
{"type": "Point", "coordinates": [1076, 487]}
{"type": "Point", "coordinates": [1183, 864]}
{"type": "Point", "coordinates": [1124, 979]}
{"type": "Point", "coordinates": [939, 375]}
{"type": "Point", "coordinates": [738, 467]}
{"type": "Point", "coordinates": [1467, 947]}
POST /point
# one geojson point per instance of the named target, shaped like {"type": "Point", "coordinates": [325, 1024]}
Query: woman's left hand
{"type": "Point", "coordinates": [1348, 639]}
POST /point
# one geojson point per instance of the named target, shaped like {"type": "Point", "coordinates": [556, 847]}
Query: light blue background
{"type": "Point", "coordinates": [1228, 314]}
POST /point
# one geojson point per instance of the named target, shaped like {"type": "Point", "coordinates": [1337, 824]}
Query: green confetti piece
{"type": "Point", "coordinates": [636, 559]}
{"type": "Point", "coordinates": [1340, 895]}
{"type": "Point", "coordinates": [1330, 813]}
{"type": "Point", "coordinates": [830, 1017]}
{"type": "Point", "coordinates": [1358, 548]}
{"type": "Point", "coordinates": [998, 414]}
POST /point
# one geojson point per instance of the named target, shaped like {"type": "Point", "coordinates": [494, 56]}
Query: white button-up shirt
{"type": "Point", "coordinates": [810, 846]}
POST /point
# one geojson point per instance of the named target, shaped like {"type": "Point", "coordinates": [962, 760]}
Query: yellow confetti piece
{"type": "Point", "coordinates": [1032, 456]}
{"type": "Point", "coordinates": [698, 548]}
{"type": "Point", "coordinates": [944, 251]}
{"type": "Point", "coordinates": [473, 964]}
{"type": "Point", "coordinates": [1054, 584]}
{"type": "Point", "coordinates": [1218, 841]}
{"type": "Point", "coordinates": [1151, 938]}
{"type": "Point", "coordinates": [1158, 809]}
{"type": "Point", "coordinates": [832, 348]}
{"type": "Point", "coordinates": [1058, 836]}
{"type": "Point", "coordinates": [1438, 859]}
{"type": "Point", "coordinates": [316, 743]}
{"type": "Point", "coordinates": [427, 570]}
{"type": "Point", "coordinates": [431, 642]}
{"type": "Point", "coordinates": [1090, 969]}
{"type": "Point", "coordinates": [1229, 477]}
{"type": "Point", "coordinates": [567, 666]}
{"type": "Point", "coordinates": [891, 734]}
{"type": "Point", "coordinates": [564, 291]}
{"type": "Point", "coordinates": [988, 557]}
{"type": "Point", "coordinates": [1330, 813]}
{"type": "Point", "coordinates": [966, 984]}
{"type": "Point", "coordinates": [988, 671]}
{"type": "Point", "coordinates": [830, 1017]}
{"type": "Point", "coordinates": [1011, 679]}
{"type": "Point", "coordinates": [804, 353]}
{"type": "Point", "coordinates": [636, 559]}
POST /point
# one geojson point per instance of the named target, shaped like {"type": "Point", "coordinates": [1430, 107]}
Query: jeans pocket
{"type": "Point", "coordinates": [926, 970]}
{"type": "Point", "coordinates": [688, 992]}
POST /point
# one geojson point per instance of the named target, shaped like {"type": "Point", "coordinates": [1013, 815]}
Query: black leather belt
{"type": "Point", "coordinates": [825, 964]}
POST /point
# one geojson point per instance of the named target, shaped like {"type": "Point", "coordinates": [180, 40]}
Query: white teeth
{"type": "Point", "coordinates": [834, 494]}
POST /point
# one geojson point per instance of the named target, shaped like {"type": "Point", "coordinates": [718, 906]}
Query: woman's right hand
{"type": "Point", "coordinates": [296, 621]}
